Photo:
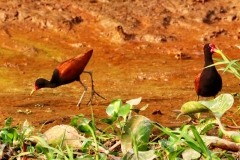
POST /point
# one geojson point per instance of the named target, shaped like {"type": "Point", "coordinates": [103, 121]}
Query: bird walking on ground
{"type": "Point", "coordinates": [67, 72]}
{"type": "Point", "coordinates": [208, 83]}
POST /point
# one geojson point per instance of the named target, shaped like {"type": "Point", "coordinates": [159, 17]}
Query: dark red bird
{"type": "Point", "coordinates": [67, 72]}
{"type": "Point", "coordinates": [208, 83]}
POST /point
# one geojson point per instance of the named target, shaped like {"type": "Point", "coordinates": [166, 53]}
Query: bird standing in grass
{"type": "Point", "coordinates": [67, 72]}
{"type": "Point", "coordinates": [208, 83]}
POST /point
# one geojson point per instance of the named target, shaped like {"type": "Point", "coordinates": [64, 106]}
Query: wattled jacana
{"type": "Point", "coordinates": [67, 72]}
{"type": "Point", "coordinates": [208, 83]}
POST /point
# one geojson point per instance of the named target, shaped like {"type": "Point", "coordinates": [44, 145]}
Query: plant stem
{"type": "Point", "coordinates": [92, 130]}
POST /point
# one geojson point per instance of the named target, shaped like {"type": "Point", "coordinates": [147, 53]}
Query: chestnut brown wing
{"type": "Point", "coordinates": [197, 83]}
{"type": "Point", "coordinates": [70, 70]}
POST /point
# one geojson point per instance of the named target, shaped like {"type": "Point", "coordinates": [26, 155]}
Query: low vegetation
{"type": "Point", "coordinates": [129, 135]}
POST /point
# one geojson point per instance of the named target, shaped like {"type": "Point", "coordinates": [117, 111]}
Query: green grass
{"type": "Point", "coordinates": [51, 50]}
{"type": "Point", "coordinates": [128, 132]}
{"type": "Point", "coordinates": [231, 66]}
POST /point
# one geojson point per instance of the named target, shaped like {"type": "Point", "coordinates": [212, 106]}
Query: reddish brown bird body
{"type": "Point", "coordinates": [67, 72]}
{"type": "Point", "coordinates": [70, 70]}
{"type": "Point", "coordinates": [73, 67]}
{"type": "Point", "coordinates": [208, 83]}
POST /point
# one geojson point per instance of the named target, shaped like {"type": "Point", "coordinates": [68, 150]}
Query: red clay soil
{"type": "Point", "coordinates": [148, 49]}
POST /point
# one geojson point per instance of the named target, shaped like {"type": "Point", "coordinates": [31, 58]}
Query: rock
{"type": "Point", "coordinates": [54, 136]}
{"type": "Point", "coordinates": [231, 18]}
{"type": "Point", "coordinates": [3, 16]}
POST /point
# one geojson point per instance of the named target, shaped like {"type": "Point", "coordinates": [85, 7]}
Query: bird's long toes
{"type": "Point", "coordinates": [94, 92]}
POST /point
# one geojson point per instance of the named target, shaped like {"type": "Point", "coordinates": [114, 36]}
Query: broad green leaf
{"type": "Point", "coordinates": [74, 121]}
{"type": "Point", "coordinates": [220, 104]}
{"type": "Point", "coordinates": [124, 110]}
{"type": "Point", "coordinates": [217, 106]}
{"type": "Point", "coordinates": [109, 121]}
{"type": "Point", "coordinates": [134, 102]}
{"type": "Point", "coordinates": [193, 107]}
{"type": "Point", "coordinates": [141, 128]}
{"type": "Point", "coordinates": [84, 126]}
{"type": "Point", "coordinates": [114, 107]}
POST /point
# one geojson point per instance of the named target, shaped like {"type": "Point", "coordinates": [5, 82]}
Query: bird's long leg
{"type": "Point", "coordinates": [93, 91]}
{"type": "Point", "coordinates": [85, 90]}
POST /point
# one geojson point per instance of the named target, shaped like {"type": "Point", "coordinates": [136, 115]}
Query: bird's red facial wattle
{"type": "Point", "coordinates": [214, 49]}
{"type": "Point", "coordinates": [34, 89]}
{"type": "Point", "coordinates": [212, 46]}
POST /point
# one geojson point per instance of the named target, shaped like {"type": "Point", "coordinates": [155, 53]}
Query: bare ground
{"type": "Point", "coordinates": [148, 49]}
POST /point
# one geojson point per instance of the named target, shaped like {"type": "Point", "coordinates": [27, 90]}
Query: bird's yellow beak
{"type": "Point", "coordinates": [32, 91]}
{"type": "Point", "coordinates": [217, 51]}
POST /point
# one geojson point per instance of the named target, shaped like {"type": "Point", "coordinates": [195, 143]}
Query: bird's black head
{"type": "Point", "coordinates": [210, 48]}
{"type": "Point", "coordinates": [40, 83]}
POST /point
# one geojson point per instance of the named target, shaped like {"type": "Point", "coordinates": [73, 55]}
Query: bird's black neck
{"type": "Point", "coordinates": [50, 85]}
{"type": "Point", "coordinates": [208, 60]}
{"type": "Point", "coordinates": [43, 83]}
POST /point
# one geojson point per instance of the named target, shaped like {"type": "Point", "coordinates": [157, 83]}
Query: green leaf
{"type": "Point", "coordinates": [193, 107]}
{"type": "Point", "coordinates": [114, 107]}
{"type": "Point", "coordinates": [169, 132]}
{"type": "Point", "coordinates": [124, 110]}
{"type": "Point", "coordinates": [233, 66]}
{"type": "Point", "coordinates": [86, 145]}
{"type": "Point", "coordinates": [109, 121]}
{"type": "Point", "coordinates": [192, 144]}
{"type": "Point", "coordinates": [200, 142]}
{"type": "Point", "coordinates": [217, 106]}
{"type": "Point", "coordinates": [134, 102]}
{"type": "Point", "coordinates": [207, 128]}
{"type": "Point", "coordinates": [135, 146]}
{"type": "Point", "coordinates": [206, 125]}
{"type": "Point", "coordinates": [235, 136]}
{"type": "Point", "coordinates": [84, 126]}
{"type": "Point", "coordinates": [141, 128]}
{"type": "Point", "coordinates": [74, 121]}
{"type": "Point", "coordinates": [220, 104]}
{"type": "Point", "coordinates": [229, 157]}
{"type": "Point", "coordinates": [8, 122]}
